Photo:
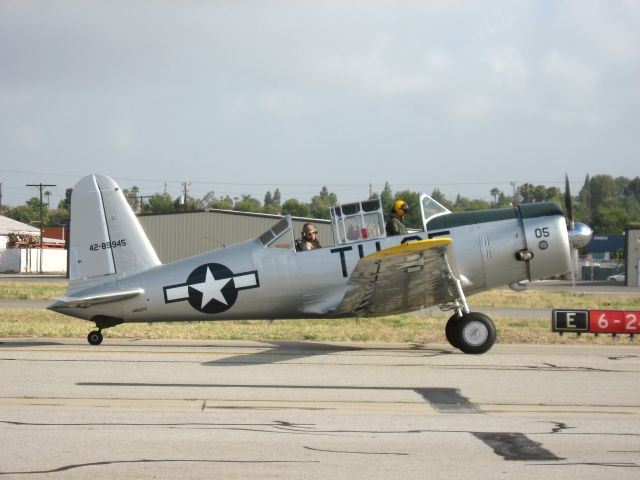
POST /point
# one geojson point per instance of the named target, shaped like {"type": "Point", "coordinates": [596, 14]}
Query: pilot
{"type": "Point", "coordinates": [398, 212]}
{"type": "Point", "coordinates": [309, 240]}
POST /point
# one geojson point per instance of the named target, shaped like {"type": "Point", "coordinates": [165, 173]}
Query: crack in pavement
{"type": "Point", "coordinates": [144, 460]}
{"type": "Point", "coordinates": [355, 453]}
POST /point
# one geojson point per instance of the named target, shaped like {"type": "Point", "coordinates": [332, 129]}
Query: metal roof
{"type": "Point", "coordinates": [9, 225]}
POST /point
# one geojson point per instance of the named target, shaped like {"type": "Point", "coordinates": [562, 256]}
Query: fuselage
{"type": "Point", "coordinates": [258, 280]}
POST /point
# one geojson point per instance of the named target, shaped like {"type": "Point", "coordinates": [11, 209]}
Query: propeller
{"type": "Point", "coordinates": [579, 233]}
{"type": "Point", "coordinates": [568, 202]}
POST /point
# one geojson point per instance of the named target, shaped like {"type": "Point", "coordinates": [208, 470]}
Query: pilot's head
{"type": "Point", "coordinates": [400, 208]}
{"type": "Point", "coordinates": [309, 231]}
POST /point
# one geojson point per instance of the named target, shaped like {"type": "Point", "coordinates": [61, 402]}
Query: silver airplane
{"type": "Point", "coordinates": [116, 277]}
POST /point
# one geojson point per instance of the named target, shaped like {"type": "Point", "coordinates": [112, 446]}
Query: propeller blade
{"type": "Point", "coordinates": [568, 202]}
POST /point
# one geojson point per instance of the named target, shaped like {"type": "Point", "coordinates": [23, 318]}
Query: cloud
{"type": "Point", "coordinates": [462, 83]}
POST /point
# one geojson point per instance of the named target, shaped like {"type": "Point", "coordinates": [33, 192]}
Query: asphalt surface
{"type": "Point", "coordinates": [171, 409]}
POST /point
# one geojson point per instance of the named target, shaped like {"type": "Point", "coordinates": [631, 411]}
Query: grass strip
{"type": "Point", "coordinates": [414, 328]}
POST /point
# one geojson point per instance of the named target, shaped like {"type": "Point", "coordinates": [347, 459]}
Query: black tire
{"type": "Point", "coordinates": [94, 338]}
{"type": "Point", "coordinates": [475, 333]}
{"type": "Point", "coordinates": [451, 330]}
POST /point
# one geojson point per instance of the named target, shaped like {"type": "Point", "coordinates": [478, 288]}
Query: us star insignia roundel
{"type": "Point", "coordinates": [211, 288]}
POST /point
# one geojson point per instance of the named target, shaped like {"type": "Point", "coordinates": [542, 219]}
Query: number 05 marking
{"type": "Point", "coordinates": [542, 232]}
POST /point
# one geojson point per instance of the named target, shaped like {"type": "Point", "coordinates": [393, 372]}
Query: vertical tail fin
{"type": "Point", "coordinates": [106, 239]}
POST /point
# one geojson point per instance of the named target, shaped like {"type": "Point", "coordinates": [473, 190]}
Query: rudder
{"type": "Point", "coordinates": [106, 239]}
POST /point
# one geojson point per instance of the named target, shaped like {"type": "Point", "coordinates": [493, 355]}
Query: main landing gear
{"type": "Point", "coordinates": [470, 332]}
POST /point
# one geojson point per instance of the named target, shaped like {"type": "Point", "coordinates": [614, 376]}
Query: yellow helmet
{"type": "Point", "coordinates": [400, 208]}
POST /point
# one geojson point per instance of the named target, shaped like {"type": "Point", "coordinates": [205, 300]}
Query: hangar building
{"type": "Point", "coordinates": [183, 234]}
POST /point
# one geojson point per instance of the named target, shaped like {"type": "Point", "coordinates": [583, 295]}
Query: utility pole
{"type": "Point", "coordinates": [0, 194]}
{"type": "Point", "coordinates": [184, 194]}
{"type": "Point", "coordinates": [40, 186]}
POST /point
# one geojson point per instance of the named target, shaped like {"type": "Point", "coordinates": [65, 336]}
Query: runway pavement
{"type": "Point", "coordinates": [194, 409]}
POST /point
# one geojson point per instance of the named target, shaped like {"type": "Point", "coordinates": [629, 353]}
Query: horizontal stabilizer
{"type": "Point", "coordinates": [88, 300]}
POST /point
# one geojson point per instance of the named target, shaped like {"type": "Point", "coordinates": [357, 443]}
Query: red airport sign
{"type": "Point", "coordinates": [613, 321]}
{"type": "Point", "coordinates": [625, 322]}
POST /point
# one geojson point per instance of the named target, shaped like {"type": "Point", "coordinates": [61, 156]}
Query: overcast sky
{"type": "Point", "coordinates": [241, 97]}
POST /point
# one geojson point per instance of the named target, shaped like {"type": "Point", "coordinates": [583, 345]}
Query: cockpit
{"type": "Point", "coordinates": [354, 222]}
{"type": "Point", "coordinates": [278, 236]}
{"type": "Point", "coordinates": [351, 222]}
{"type": "Point", "coordinates": [430, 209]}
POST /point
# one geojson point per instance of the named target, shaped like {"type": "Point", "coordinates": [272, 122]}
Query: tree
{"type": "Point", "coordinates": [248, 204]}
{"type": "Point", "coordinates": [495, 193]}
{"type": "Point", "coordinates": [30, 213]}
{"type": "Point", "coordinates": [269, 205]}
{"type": "Point", "coordinates": [539, 193]}
{"type": "Point", "coordinates": [225, 203]}
{"type": "Point", "coordinates": [553, 194]}
{"type": "Point", "coordinates": [438, 196]}
{"type": "Point", "coordinates": [295, 208]}
{"type": "Point", "coordinates": [277, 198]}
{"type": "Point", "coordinates": [603, 188]}
{"type": "Point", "coordinates": [58, 216]}
{"type": "Point", "coordinates": [24, 214]}
{"type": "Point", "coordinates": [66, 201]}
{"type": "Point", "coordinates": [611, 220]}
{"type": "Point", "coordinates": [206, 201]}
{"type": "Point", "coordinates": [160, 203]}
{"type": "Point", "coordinates": [386, 198]}
{"type": "Point", "coordinates": [526, 191]}
{"type": "Point", "coordinates": [132, 196]}
{"type": "Point", "coordinates": [634, 188]}
{"type": "Point", "coordinates": [322, 203]}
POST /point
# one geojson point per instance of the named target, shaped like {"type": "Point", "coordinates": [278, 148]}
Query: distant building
{"type": "Point", "coordinates": [602, 247]}
{"type": "Point", "coordinates": [13, 231]}
{"type": "Point", "coordinates": [20, 250]}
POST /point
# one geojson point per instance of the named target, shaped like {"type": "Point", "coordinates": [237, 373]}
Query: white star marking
{"type": "Point", "coordinates": [211, 289]}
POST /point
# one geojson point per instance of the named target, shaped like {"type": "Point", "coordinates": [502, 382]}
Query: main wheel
{"type": "Point", "coordinates": [475, 333]}
{"type": "Point", "coordinates": [451, 329]}
{"type": "Point", "coordinates": [94, 338]}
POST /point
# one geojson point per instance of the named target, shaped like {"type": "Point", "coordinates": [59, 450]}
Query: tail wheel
{"type": "Point", "coordinates": [95, 337]}
{"type": "Point", "coordinates": [475, 333]}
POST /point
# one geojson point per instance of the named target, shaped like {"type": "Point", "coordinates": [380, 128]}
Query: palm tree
{"type": "Point", "coordinates": [495, 192]}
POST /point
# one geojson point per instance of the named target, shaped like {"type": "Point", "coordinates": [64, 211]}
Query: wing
{"type": "Point", "coordinates": [402, 278]}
